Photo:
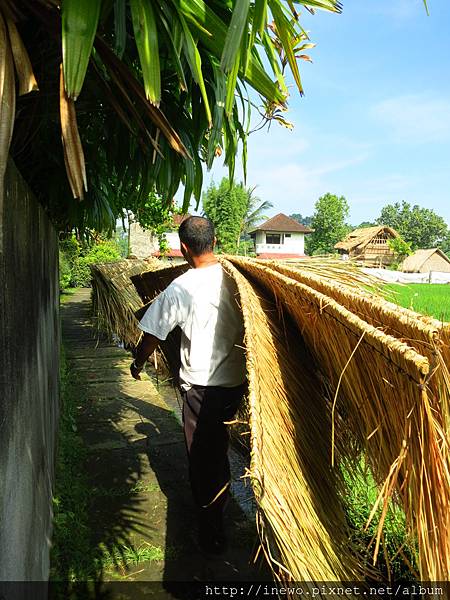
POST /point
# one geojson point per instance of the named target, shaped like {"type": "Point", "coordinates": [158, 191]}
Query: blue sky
{"type": "Point", "coordinates": [374, 124]}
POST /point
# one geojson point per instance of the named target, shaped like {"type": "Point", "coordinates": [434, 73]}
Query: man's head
{"type": "Point", "coordinates": [197, 235]}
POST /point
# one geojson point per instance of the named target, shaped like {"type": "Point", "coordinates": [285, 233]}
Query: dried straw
{"type": "Point", "coordinates": [301, 519]}
{"type": "Point", "coordinates": [331, 367]}
{"type": "Point", "coordinates": [148, 286]}
{"type": "Point", "coordinates": [380, 385]}
{"type": "Point", "coordinates": [114, 298]}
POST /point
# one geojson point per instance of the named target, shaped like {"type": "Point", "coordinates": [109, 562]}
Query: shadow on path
{"type": "Point", "coordinates": [140, 537]}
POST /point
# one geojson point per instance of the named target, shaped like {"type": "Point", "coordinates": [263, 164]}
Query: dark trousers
{"type": "Point", "coordinates": [205, 411]}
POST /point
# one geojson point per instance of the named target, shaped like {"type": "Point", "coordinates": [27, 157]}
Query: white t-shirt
{"type": "Point", "coordinates": [203, 303]}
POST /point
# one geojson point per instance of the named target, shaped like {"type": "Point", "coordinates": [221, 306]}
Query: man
{"type": "Point", "coordinates": [203, 303]}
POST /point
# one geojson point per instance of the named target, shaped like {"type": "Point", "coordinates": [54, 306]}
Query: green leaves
{"type": "Point", "coordinates": [146, 36]}
{"type": "Point", "coordinates": [195, 63]}
{"type": "Point", "coordinates": [168, 89]}
{"type": "Point", "coordinates": [230, 53]}
{"type": "Point", "coordinates": [287, 36]}
{"type": "Point", "coordinates": [79, 20]}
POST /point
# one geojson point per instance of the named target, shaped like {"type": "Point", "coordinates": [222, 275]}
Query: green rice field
{"type": "Point", "coordinates": [429, 299]}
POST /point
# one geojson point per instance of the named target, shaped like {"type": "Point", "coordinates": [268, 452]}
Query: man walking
{"type": "Point", "coordinates": [203, 303]}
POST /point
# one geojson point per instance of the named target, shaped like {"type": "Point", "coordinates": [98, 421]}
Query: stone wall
{"type": "Point", "coordinates": [142, 242]}
{"type": "Point", "coordinates": [29, 361]}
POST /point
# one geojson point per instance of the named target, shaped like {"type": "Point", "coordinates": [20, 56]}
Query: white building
{"type": "Point", "coordinates": [280, 237]}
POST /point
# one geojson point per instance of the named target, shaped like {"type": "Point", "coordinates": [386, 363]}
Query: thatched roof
{"type": "Point", "coordinates": [282, 223]}
{"type": "Point", "coordinates": [359, 238]}
{"type": "Point", "coordinates": [415, 262]}
{"type": "Point", "coordinates": [114, 298]}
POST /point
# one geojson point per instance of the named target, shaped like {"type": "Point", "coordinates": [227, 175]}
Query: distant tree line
{"type": "Point", "coordinates": [418, 227]}
{"type": "Point", "coordinates": [235, 210]}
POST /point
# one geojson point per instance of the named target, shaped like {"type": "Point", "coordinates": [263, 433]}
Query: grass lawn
{"type": "Point", "coordinates": [429, 299]}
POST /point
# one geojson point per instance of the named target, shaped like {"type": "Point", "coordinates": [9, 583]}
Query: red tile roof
{"type": "Point", "coordinates": [282, 223]}
{"type": "Point", "coordinates": [169, 254]}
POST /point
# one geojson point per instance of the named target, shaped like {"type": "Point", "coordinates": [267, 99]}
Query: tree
{"type": "Point", "coordinates": [364, 224]}
{"type": "Point", "coordinates": [328, 222]}
{"type": "Point", "coordinates": [445, 245]}
{"type": "Point", "coordinates": [421, 227]}
{"type": "Point", "coordinates": [234, 210]}
{"type": "Point", "coordinates": [306, 221]}
{"type": "Point", "coordinates": [401, 250]}
{"type": "Point", "coordinates": [147, 92]}
{"type": "Point", "coordinates": [254, 213]}
{"type": "Point", "coordinates": [226, 206]}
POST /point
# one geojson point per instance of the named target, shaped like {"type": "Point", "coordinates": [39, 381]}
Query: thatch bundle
{"type": "Point", "coordinates": [394, 405]}
{"type": "Point", "coordinates": [148, 287]}
{"type": "Point", "coordinates": [334, 369]}
{"type": "Point", "coordinates": [114, 298]}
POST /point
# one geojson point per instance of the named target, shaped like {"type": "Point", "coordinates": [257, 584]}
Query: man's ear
{"type": "Point", "coordinates": [183, 247]}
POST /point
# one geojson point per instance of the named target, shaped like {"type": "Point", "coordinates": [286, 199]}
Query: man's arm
{"type": "Point", "coordinates": [146, 346]}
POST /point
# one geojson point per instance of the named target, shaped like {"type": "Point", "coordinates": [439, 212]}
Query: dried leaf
{"type": "Point", "coordinates": [24, 70]}
{"type": "Point", "coordinates": [7, 99]}
{"type": "Point", "coordinates": [73, 150]}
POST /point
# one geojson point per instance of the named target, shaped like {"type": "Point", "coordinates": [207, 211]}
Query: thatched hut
{"type": "Point", "coordinates": [369, 245]}
{"type": "Point", "coordinates": [424, 261]}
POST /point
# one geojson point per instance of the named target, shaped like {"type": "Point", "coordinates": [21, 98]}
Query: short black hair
{"type": "Point", "coordinates": [198, 235]}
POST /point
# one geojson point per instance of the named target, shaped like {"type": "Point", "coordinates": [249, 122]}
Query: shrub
{"type": "Point", "coordinates": [101, 252]}
{"type": "Point", "coordinates": [65, 272]}
{"type": "Point", "coordinates": [75, 258]}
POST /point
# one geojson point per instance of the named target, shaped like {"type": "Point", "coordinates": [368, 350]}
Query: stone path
{"type": "Point", "coordinates": [136, 465]}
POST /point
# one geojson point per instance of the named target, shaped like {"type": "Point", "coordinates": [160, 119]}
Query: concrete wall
{"type": "Point", "coordinates": [293, 244]}
{"type": "Point", "coordinates": [29, 360]}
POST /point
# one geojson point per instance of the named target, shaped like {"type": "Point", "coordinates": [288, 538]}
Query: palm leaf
{"type": "Point", "coordinates": [198, 12]}
{"type": "Point", "coordinates": [220, 90]}
{"type": "Point", "coordinates": [231, 86]}
{"type": "Point", "coordinates": [329, 5]}
{"type": "Point", "coordinates": [175, 45]}
{"type": "Point", "coordinates": [24, 70]}
{"type": "Point", "coordinates": [146, 36]}
{"type": "Point", "coordinates": [79, 20]}
{"type": "Point", "coordinates": [234, 35]}
{"type": "Point", "coordinates": [73, 151]}
{"type": "Point", "coordinates": [120, 27]}
{"type": "Point", "coordinates": [287, 36]}
{"type": "Point", "coordinates": [7, 99]}
{"type": "Point", "coordinates": [117, 68]}
{"type": "Point", "coordinates": [195, 63]}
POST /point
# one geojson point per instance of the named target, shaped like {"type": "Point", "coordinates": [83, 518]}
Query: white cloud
{"type": "Point", "coordinates": [414, 118]}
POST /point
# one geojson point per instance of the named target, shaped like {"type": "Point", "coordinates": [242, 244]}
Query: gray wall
{"type": "Point", "coordinates": [29, 361]}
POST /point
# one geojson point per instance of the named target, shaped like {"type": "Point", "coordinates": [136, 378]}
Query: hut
{"type": "Point", "coordinates": [424, 261]}
{"type": "Point", "coordinates": [369, 245]}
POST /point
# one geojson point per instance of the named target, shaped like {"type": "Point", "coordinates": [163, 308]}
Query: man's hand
{"type": "Point", "coordinates": [146, 346]}
{"type": "Point", "coordinates": [135, 371]}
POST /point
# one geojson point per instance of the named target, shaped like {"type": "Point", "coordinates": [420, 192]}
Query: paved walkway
{"type": "Point", "coordinates": [141, 502]}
